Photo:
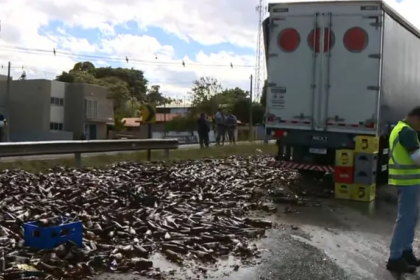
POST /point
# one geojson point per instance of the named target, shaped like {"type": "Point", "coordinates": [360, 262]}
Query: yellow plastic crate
{"type": "Point", "coordinates": [367, 144]}
{"type": "Point", "coordinates": [344, 158]}
{"type": "Point", "coordinates": [365, 193]}
{"type": "Point", "coordinates": [343, 191]}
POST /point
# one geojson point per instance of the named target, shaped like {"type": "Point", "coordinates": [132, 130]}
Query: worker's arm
{"type": "Point", "coordinates": [408, 139]}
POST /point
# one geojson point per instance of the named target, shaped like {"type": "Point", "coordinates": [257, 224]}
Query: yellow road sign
{"type": "Point", "coordinates": [148, 113]}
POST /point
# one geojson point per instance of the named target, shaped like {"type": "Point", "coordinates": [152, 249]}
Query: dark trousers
{"type": "Point", "coordinates": [231, 134]}
{"type": "Point", "coordinates": [204, 139]}
{"type": "Point", "coordinates": [221, 133]}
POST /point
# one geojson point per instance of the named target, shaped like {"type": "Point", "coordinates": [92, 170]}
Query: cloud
{"type": "Point", "coordinates": [208, 22]}
{"type": "Point", "coordinates": [26, 24]}
{"type": "Point", "coordinates": [407, 8]}
{"type": "Point", "coordinates": [205, 21]}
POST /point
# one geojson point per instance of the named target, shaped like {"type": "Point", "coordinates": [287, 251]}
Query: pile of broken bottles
{"type": "Point", "coordinates": [187, 211]}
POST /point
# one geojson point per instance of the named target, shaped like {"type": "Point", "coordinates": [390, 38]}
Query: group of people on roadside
{"type": "Point", "coordinates": [223, 125]}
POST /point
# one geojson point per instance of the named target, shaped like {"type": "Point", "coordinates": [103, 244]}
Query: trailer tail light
{"type": "Point", "coordinates": [289, 40]}
{"type": "Point", "coordinates": [370, 125]}
{"type": "Point", "coordinates": [314, 42]}
{"type": "Point", "coordinates": [355, 40]}
{"type": "Point", "coordinates": [278, 133]}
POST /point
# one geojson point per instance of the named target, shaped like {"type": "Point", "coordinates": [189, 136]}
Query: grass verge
{"type": "Point", "coordinates": [181, 154]}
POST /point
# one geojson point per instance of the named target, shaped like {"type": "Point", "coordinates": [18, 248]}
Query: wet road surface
{"type": "Point", "coordinates": [339, 240]}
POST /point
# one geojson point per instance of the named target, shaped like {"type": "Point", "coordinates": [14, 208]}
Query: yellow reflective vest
{"type": "Point", "coordinates": [402, 169]}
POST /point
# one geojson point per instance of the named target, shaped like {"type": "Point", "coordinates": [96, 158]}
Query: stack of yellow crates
{"type": "Point", "coordinates": [344, 174]}
{"type": "Point", "coordinates": [365, 168]}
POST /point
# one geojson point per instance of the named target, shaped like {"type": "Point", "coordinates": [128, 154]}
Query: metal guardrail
{"type": "Point", "coordinates": [15, 149]}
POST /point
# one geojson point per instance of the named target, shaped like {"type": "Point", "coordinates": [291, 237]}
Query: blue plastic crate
{"type": "Point", "coordinates": [50, 237]}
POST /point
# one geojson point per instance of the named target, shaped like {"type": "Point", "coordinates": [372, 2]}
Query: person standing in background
{"type": "Point", "coordinates": [214, 127]}
{"type": "Point", "coordinates": [203, 130]}
{"type": "Point", "coordinates": [231, 123]}
{"type": "Point", "coordinates": [220, 127]}
{"type": "Point", "coordinates": [2, 128]}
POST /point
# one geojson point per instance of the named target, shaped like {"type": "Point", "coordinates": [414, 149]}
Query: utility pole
{"type": "Point", "coordinates": [261, 9]}
{"type": "Point", "coordinates": [164, 117]}
{"type": "Point", "coordinates": [7, 107]}
{"type": "Point", "coordinates": [250, 108]}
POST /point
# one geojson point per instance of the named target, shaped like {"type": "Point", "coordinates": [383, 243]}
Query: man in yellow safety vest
{"type": "Point", "coordinates": [404, 173]}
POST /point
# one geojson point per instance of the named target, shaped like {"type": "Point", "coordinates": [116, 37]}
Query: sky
{"type": "Point", "coordinates": [155, 36]}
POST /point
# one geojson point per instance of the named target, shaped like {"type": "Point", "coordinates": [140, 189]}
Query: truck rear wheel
{"type": "Point", "coordinates": [311, 174]}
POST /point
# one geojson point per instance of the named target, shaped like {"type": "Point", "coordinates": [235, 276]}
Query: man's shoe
{"type": "Point", "coordinates": [400, 266]}
{"type": "Point", "coordinates": [411, 259]}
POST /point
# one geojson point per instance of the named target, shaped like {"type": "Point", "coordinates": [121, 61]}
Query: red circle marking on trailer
{"type": "Point", "coordinates": [355, 39]}
{"type": "Point", "coordinates": [313, 39]}
{"type": "Point", "coordinates": [289, 40]}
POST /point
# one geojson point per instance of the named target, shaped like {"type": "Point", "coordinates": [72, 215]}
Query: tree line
{"type": "Point", "coordinates": [129, 88]}
{"type": "Point", "coordinates": [208, 96]}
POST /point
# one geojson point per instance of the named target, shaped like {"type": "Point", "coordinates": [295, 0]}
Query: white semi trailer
{"type": "Point", "coordinates": [338, 72]}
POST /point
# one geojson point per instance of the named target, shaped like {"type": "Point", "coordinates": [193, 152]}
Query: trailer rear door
{"type": "Point", "coordinates": [292, 69]}
{"type": "Point", "coordinates": [324, 61]}
{"type": "Point", "coordinates": [351, 70]}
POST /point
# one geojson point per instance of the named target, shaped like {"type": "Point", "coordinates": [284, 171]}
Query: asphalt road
{"type": "Point", "coordinates": [60, 156]}
{"type": "Point", "coordinates": [337, 241]}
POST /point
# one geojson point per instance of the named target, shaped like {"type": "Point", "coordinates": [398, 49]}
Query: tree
{"type": "Point", "coordinates": [134, 79]}
{"type": "Point", "coordinates": [230, 97]}
{"type": "Point", "coordinates": [154, 96]}
{"type": "Point", "coordinates": [241, 111]}
{"type": "Point", "coordinates": [258, 112]}
{"type": "Point", "coordinates": [85, 66]}
{"type": "Point", "coordinates": [117, 91]}
{"type": "Point", "coordinates": [182, 123]}
{"type": "Point", "coordinates": [119, 123]}
{"type": "Point", "coordinates": [127, 87]}
{"type": "Point", "coordinates": [234, 94]}
{"type": "Point", "coordinates": [206, 95]}
{"type": "Point", "coordinates": [66, 78]}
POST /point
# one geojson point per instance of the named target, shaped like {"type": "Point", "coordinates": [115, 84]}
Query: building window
{"type": "Point", "coordinates": [56, 126]}
{"type": "Point", "coordinates": [57, 101]}
{"type": "Point", "coordinates": [91, 109]}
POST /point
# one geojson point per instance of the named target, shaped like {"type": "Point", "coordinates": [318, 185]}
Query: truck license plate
{"type": "Point", "coordinates": [318, 151]}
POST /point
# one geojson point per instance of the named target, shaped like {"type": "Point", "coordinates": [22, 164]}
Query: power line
{"type": "Point", "coordinates": [23, 68]}
{"type": "Point", "coordinates": [164, 83]}
{"type": "Point", "coordinates": [55, 52]}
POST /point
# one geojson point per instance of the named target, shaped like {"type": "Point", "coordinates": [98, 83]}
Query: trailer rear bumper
{"type": "Point", "coordinates": [313, 138]}
{"type": "Point", "coordinates": [303, 166]}
{"type": "Point", "coordinates": [311, 150]}
{"type": "Point", "coordinates": [334, 153]}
